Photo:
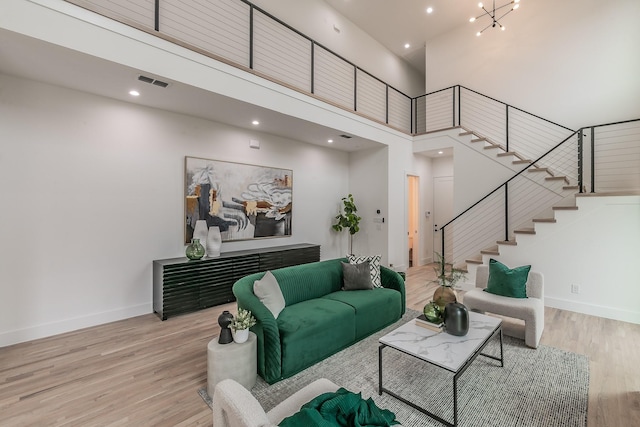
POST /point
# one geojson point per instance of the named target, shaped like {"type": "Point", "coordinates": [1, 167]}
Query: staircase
{"type": "Point", "coordinates": [544, 184]}
{"type": "Point", "coordinates": [541, 192]}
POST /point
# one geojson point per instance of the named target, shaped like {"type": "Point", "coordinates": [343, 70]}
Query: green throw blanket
{"type": "Point", "coordinates": [342, 408]}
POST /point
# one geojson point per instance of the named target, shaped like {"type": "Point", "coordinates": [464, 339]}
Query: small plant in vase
{"type": "Point", "coordinates": [240, 325]}
{"type": "Point", "coordinates": [447, 276]}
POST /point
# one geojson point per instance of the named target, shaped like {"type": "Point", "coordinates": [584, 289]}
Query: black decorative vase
{"type": "Point", "coordinates": [224, 320]}
{"type": "Point", "coordinates": [456, 319]}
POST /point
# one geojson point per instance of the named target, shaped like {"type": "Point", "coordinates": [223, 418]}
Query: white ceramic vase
{"type": "Point", "coordinates": [200, 232]}
{"type": "Point", "coordinates": [241, 335]}
{"type": "Point", "coordinates": [214, 241]}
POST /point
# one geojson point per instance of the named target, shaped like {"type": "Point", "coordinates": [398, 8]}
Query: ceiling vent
{"type": "Point", "coordinates": [346, 136]}
{"type": "Point", "coordinates": [152, 81]}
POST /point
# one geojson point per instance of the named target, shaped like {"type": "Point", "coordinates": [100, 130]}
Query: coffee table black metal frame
{"type": "Point", "coordinates": [457, 374]}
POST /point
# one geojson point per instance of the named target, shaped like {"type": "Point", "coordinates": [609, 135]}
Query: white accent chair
{"type": "Point", "coordinates": [530, 309]}
{"type": "Point", "coordinates": [235, 406]}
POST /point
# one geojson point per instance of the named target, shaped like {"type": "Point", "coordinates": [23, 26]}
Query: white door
{"type": "Point", "coordinates": [413, 220]}
{"type": "Point", "coordinates": [442, 208]}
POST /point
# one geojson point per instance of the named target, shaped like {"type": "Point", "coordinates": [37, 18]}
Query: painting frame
{"type": "Point", "coordinates": [245, 201]}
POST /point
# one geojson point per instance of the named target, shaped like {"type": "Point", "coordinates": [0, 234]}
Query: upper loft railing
{"type": "Point", "coordinates": [243, 35]}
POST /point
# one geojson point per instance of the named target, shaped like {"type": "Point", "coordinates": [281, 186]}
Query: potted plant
{"type": "Point", "coordinates": [348, 219]}
{"type": "Point", "coordinates": [240, 325]}
{"type": "Point", "coordinates": [446, 276]}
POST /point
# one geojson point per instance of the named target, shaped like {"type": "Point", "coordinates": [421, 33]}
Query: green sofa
{"type": "Point", "coordinates": [319, 318]}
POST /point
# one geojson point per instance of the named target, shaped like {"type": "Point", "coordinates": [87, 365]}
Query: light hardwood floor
{"type": "Point", "coordinates": [144, 372]}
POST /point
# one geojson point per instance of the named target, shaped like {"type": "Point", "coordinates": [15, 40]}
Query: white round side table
{"type": "Point", "coordinates": [236, 361]}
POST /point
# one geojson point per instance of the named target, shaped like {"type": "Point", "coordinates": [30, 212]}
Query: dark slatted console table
{"type": "Point", "coordinates": [183, 286]}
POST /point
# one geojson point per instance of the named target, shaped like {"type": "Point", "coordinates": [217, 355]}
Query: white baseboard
{"type": "Point", "coordinates": [594, 310]}
{"type": "Point", "coordinates": [68, 325]}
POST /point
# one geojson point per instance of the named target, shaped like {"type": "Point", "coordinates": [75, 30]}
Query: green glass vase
{"type": "Point", "coordinates": [195, 250]}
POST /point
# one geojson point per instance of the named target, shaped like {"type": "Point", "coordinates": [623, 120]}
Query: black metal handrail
{"type": "Point", "coordinates": [540, 160]}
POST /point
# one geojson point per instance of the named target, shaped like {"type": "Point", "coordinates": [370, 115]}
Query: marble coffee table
{"type": "Point", "coordinates": [446, 351]}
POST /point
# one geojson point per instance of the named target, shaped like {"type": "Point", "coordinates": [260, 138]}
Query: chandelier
{"type": "Point", "coordinates": [495, 21]}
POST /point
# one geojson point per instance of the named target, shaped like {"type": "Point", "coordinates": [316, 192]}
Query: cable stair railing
{"type": "Point", "coordinates": [605, 156]}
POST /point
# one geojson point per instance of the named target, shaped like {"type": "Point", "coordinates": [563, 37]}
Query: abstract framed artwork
{"type": "Point", "coordinates": [244, 201]}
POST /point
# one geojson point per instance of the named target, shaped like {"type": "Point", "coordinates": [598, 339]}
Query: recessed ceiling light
{"type": "Point", "coordinates": [407, 45]}
{"type": "Point", "coordinates": [330, 141]}
{"type": "Point", "coordinates": [440, 152]}
{"type": "Point", "coordinates": [429, 10]}
{"type": "Point", "coordinates": [134, 93]}
{"type": "Point", "coordinates": [255, 123]}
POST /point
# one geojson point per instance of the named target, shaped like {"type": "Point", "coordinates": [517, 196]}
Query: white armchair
{"type": "Point", "coordinates": [530, 309]}
{"type": "Point", "coordinates": [234, 406]}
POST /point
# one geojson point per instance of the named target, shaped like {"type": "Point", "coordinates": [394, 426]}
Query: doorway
{"type": "Point", "coordinates": [413, 220]}
{"type": "Point", "coordinates": [442, 208]}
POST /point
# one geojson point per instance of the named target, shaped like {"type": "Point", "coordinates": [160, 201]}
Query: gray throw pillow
{"type": "Point", "coordinates": [268, 292]}
{"type": "Point", "coordinates": [356, 276]}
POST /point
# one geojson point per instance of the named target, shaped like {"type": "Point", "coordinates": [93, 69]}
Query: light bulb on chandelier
{"type": "Point", "coordinates": [492, 13]}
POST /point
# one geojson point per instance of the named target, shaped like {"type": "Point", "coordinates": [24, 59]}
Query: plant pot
{"type": "Point", "coordinates": [444, 295]}
{"type": "Point", "coordinates": [241, 335]}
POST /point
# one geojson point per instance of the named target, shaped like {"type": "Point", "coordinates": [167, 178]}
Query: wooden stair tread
{"type": "Point", "coordinates": [465, 133]}
{"type": "Point", "coordinates": [557, 178]}
{"type": "Point", "coordinates": [525, 231]}
{"type": "Point", "coordinates": [537, 169]}
{"type": "Point", "coordinates": [544, 220]}
{"type": "Point", "coordinates": [474, 261]}
{"type": "Point", "coordinates": [507, 242]}
{"type": "Point", "coordinates": [489, 147]}
{"type": "Point", "coordinates": [478, 139]}
{"type": "Point", "coordinates": [521, 161]}
{"type": "Point", "coordinates": [507, 153]}
{"type": "Point", "coordinates": [565, 208]}
{"type": "Point", "coordinates": [571, 187]}
{"type": "Point", "coordinates": [490, 252]}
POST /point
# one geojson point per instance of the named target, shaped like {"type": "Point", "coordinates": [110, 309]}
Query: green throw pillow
{"type": "Point", "coordinates": [508, 282]}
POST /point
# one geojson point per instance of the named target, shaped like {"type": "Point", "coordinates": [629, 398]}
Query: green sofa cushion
{"type": "Point", "coordinates": [375, 308]}
{"type": "Point", "coordinates": [307, 336]}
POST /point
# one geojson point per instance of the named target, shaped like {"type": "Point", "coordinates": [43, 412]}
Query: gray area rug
{"type": "Point", "coordinates": [543, 387]}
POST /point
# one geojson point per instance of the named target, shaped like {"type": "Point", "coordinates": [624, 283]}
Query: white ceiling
{"type": "Point", "coordinates": [396, 22]}
{"type": "Point", "coordinates": [391, 25]}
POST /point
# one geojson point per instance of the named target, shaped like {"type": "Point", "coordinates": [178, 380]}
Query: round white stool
{"type": "Point", "coordinates": [235, 361]}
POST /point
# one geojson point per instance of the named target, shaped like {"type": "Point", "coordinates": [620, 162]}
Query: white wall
{"type": "Point", "coordinates": [316, 19]}
{"type": "Point", "coordinates": [369, 185]}
{"type": "Point", "coordinates": [574, 62]}
{"type": "Point", "coordinates": [476, 171]}
{"type": "Point", "coordinates": [596, 248]}
{"type": "Point", "coordinates": [92, 192]}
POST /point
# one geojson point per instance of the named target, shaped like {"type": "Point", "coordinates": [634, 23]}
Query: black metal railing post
{"type": "Point", "coordinates": [459, 108]}
{"type": "Point", "coordinates": [414, 113]}
{"type": "Point", "coordinates": [580, 161]}
{"type": "Point", "coordinates": [386, 104]}
{"type": "Point", "coordinates": [156, 18]}
{"type": "Point", "coordinates": [507, 127]}
{"type": "Point", "coordinates": [593, 160]}
{"type": "Point", "coordinates": [313, 66]}
{"type": "Point", "coordinates": [355, 88]}
{"type": "Point", "coordinates": [250, 36]}
{"type": "Point", "coordinates": [506, 211]}
{"type": "Point", "coordinates": [443, 250]}
{"type": "Point", "coordinates": [453, 107]}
